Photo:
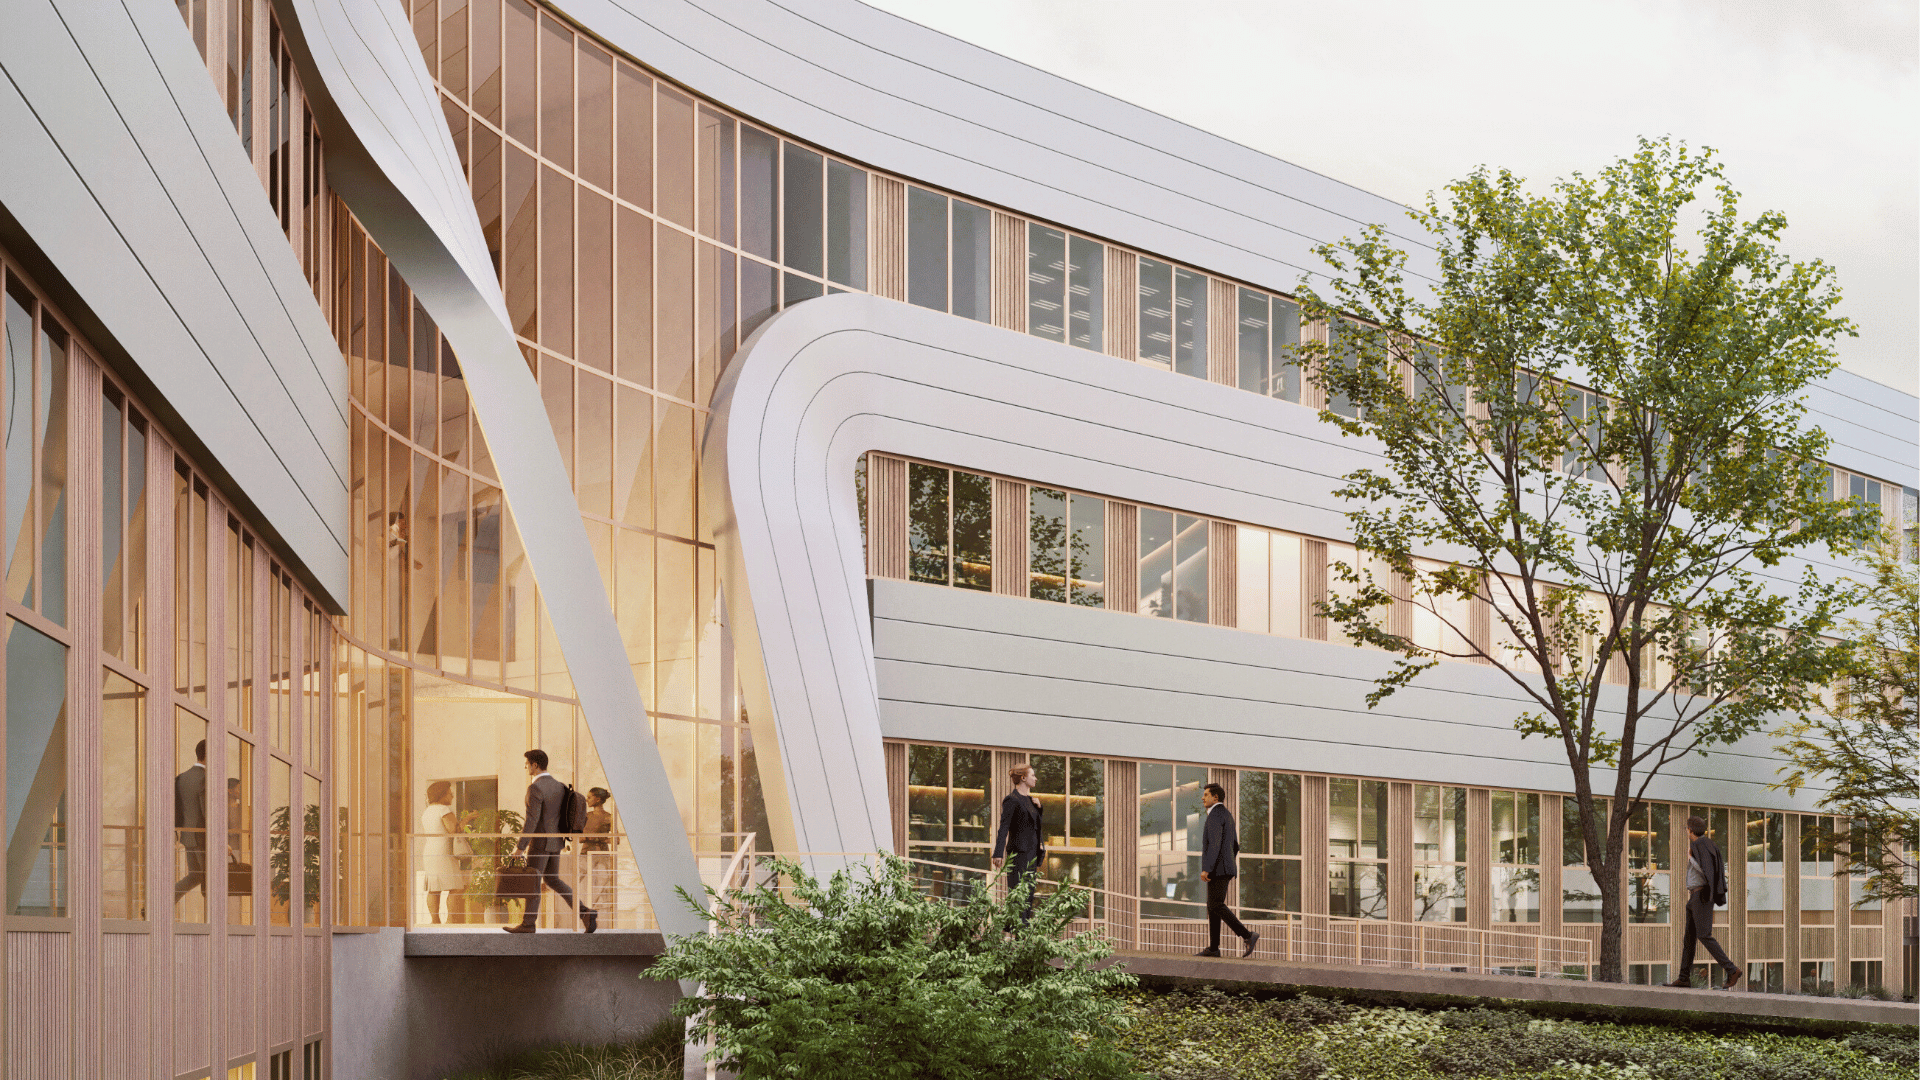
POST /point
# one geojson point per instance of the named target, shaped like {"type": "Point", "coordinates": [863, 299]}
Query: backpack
{"type": "Point", "coordinates": [573, 811]}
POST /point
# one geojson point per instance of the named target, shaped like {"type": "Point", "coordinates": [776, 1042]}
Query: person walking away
{"type": "Point", "coordinates": [546, 803]}
{"type": "Point", "coordinates": [437, 862]}
{"type": "Point", "coordinates": [1706, 889]}
{"type": "Point", "coordinates": [190, 822]}
{"type": "Point", "coordinates": [1219, 865]}
{"type": "Point", "coordinates": [1020, 835]}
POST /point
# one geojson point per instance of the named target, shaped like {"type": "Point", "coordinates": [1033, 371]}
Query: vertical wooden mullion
{"type": "Point", "coordinates": [1400, 852]}
{"type": "Point", "coordinates": [1222, 341]}
{"type": "Point", "coordinates": [1313, 845]}
{"type": "Point", "coordinates": [1791, 950]}
{"type": "Point", "coordinates": [895, 754]}
{"type": "Point", "coordinates": [1480, 858]}
{"type": "Point", "coordinates": [160, 739]}
{"type": "Point", "coordinates": [1123, 851]}
{"type": "Point", "coordinates": [83, 681]}
{"type": "Point", "coordinates": [1010, 555]}
{"type": "Point", "coordinates": [1223, 573]}
{"type": "Point", "coordinates": [1123, 556]}
{"type": "Point", "coordinates": [1009, 273]}
{"type": "Point", "coordinates": [1122, 306]}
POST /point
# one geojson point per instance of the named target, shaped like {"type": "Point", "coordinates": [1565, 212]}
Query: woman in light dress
{"type": "Point", "coordinates": [438, 826]}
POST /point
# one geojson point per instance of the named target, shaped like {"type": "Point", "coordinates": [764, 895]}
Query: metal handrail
{"type": "Point", "coordinates": [1287, 936]}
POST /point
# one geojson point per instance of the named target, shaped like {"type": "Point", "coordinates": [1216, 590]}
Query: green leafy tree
{"type": "Point", "coordinates": [1600, 435]}
{"type": "Point", "coordinates": [861, 976]}
{"type": "Point", "coordinates": [1864, 741]}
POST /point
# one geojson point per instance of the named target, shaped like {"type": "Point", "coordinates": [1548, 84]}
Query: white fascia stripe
{"type": "Point", "coordinates": [390, 157]}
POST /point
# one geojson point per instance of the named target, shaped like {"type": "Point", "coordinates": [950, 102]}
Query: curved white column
{"type": "Point", "coordinates": [390, 157]}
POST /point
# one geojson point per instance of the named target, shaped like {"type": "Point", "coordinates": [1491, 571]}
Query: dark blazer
{"type": "Point", "coordinates": [544, 797]}
{"type": "Point", "coordinates": [1219, 856]}
{"type": "Point", "coordinates": [190, 806]}
{"type": "Point", "coordinates": [1020, 827]}
{"type": "Point", "coordinates": [1713, 866]}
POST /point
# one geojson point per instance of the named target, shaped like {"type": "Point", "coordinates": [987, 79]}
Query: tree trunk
{"type": "Point", "coordinates": [1610, 967]}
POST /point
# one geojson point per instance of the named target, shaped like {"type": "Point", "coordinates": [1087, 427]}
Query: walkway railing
{"type": "Point", "coordinates": [1179, 927]}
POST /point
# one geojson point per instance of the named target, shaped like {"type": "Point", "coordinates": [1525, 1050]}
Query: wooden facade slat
{"type": "Point", "coordinates": [887, 237]}
{"type": "Point", "coordinates": [1009, 272]}
{"type": "Point", "coordinates": [1010, 555]}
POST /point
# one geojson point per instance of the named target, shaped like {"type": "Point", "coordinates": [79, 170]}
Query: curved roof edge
{"type": "Point", "coordinates": [905, 98]}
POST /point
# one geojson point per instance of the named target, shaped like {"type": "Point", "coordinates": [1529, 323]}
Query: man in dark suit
{"type": "Point", "coordinates": [546, 799]}
{"type": "Point", "coordinates": [1020, 834]}
{"type": "Point", "coordinates": [1219, 865]}
{"type": "Point", "coordinates": [190, 822]}
{"type": "Point", "coordinates": [1706, 889]}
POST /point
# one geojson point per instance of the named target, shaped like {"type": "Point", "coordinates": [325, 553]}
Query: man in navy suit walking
{"type": "Point", "coordinates": [1219, 865]}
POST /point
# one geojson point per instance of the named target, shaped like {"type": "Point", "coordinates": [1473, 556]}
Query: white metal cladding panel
{"type": "Point", "coordinates": [39, 1005]}
{"type": "Point", "coordinates": [955, 665]}
{"type": "Point", "coordinates": [126, 1006]}
{"type": "Point", "coordinates": [881, 89]}
{"type": "Point", "coordinates": [124, 171]}
{"type": "Point", "coordinates": [192, 1008]}
{"type": "Point", "coordinates": [317, 982]}
{"type": "Point", "coordinates": [1873, 427]}
{"type": "Point", "coordinates": [836, 377]}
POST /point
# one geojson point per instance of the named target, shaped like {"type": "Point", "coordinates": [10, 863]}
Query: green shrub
{"type": "Point", "coordinates": [863, 977]}
{"type": "Point", "coordinates": [1888, 1048]}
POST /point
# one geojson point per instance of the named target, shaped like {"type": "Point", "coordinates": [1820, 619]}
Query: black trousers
{"type": "Point", "coordinates": [1700, 930]}
{"type": "Point", "coordinates": [1022, 868]}
{"type": "Point", "coordinates": [1218, 912]}
{"type": "Point", "coordinates": [548, 868]}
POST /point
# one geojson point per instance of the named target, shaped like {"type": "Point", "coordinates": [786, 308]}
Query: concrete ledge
{"type": "Point", "coordinates": [492, 941]}
{"type": "Point", "coordinates": [1737, 1006]}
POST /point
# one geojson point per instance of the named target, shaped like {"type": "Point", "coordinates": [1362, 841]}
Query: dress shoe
{"type": "Point", "coordinates": [1732, 977]}
{"type": "Point", "coordinates": [590, 920]}
{"type": "Point", "coordinates": [1679, 984]}
{"type": "Point", "coordinates": [1208, 952]}
{"type": "Point", "coordinates": [1253, 938]}
{"type": "Point", "coordinates": [519, 929]}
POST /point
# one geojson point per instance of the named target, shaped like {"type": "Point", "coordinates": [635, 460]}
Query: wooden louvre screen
{"type": "Point", "coordinates": [1009, 272]}
{"type": "Point", "coordinates": [1010, 557]}
{"type": "Point", "coordinates": [888, 254]}
{"type": "Point", "coordinates": [886, 516]}
{"type": "Point", "coordinates": [1123, 303]}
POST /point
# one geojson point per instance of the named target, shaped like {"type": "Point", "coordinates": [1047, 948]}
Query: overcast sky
{"type": "Point", "coordinates": [1814, 106]}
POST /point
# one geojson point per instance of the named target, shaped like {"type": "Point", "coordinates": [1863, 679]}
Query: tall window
{"type": "Point", "coordinates": [1341, 352]}
{"type": "Point", "coordinates": [949, 255]}
{"type": "Point", "coordinates": [1586, 411]}
{"type": "Point", "coordinates": [1073, 811]}
{"type": "Point", "coordinates": [1357, 848]}
{"type": "Point", "coordinates": [1516, 857]}
{"type": "Point", "coordinates": [1269, 840]}
{"type": "Point", "coordinates": [123, 795]}
{"type": "Point", "coordinates": [1579, 893]}
{"type": "Point", "coordinates": [948, 819]}
{"type": "Point", "coordinates": [1439, 853]}
{"type": "Point", "coordinates": [1066, 287]}
{"type": "Point", "coordinates": [1172, 838]}
{"type": "Point", "coordinates": [1766, 900]}
{"type": "Point", "coordinates": [950, 522]}
{"type": "Point", "coordinates": [123, 530]}
{"type": "Point", "coordinates": [1173, 565]}
{"type": "Point", "coordinates": [1066, 554]}
{"type": "Point", "coordinates": [37, 813]}
{"type": "Point", "coordinates": [1649, 864]}
{"type": "Point", "coordinates": [36, 392]}
{"type": "Point", "coordinates": [1269, 334]}
{"type": "Point", "coordinates": [1173, 317]}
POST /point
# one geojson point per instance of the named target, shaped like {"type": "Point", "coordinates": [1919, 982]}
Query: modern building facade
{"type": "Point", "coordinates": [787, 417]}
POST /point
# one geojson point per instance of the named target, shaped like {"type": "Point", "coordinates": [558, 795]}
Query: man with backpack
{"type": "Point", "coordinates": [552, 808]}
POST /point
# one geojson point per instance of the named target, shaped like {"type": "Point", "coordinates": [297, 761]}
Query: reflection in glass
{"type": "Point", "coordinates": [37, 853]}
{"type": "Point", "coordinates": [1190, 568]}
{"type": "Point", "coordinates": [1649, 858]}
{"type": "Point", "coordinates": [972, 247]}
{"type": "Point", "coordinates": [1156, 311]}
{"type": "Point", "coordinates": [1189, 323]}
{"type": "Point", "coordinates": [804, 204]}
{"type": "Point", "coordinates": [1516, 856]}
{"type": "Point", "coordinates": [846, 225]}
{"type": "Point", "coordinates": [1439, 853]}
{"type": "Point", "coordinates": [1046, 283]}
{"type": "Point", "coordinates": [926, 249]}
{"type": "Point", "coordinates": [1357, 847]}
{"type": "Point", "coordinates": [310, 849]}
{"type": "Point", "coordinates": [927, 523]}
{"type": "Point", "coordinates": [1086, 293]}
{"type": "Point", "coordinates": [279, 840]}
{"type": "Point", "coordinates": [759, 187]}
{"type": "Point", "coordinates": [1156, 562]}
{"type": "Point", "coordinates": [1766, 867]}
{"type": "Point", "coordinates": [1047, 544]}
{"type": "Point", "coordinates": [1269, 822]}
{"type": "Point", "coordinates": [1817, 839]}
{"type": "Point", "coordinates": [19, 434]}
{"type": "Point", "coordinates": [123, 797]}
{"type": "Point", "coordinates": [1172, 837]}
{"type": "Point", "coordinates": [50, 400]}
{"type": "Point", "coordinates": [972, 531]}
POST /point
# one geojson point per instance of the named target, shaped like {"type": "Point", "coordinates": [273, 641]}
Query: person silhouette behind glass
{"type": "Point", "coordinates": [190, 822]}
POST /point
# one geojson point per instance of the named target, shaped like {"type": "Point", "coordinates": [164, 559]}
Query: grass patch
{"type": "Point", "coordinates": [1208, 1033]}
{"type": "Point", "coordinates": [654, 1057]}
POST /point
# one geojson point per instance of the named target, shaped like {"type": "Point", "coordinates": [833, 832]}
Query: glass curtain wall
{"type": "Point", "coordinates": [1269, 822]}
{"type": "Point", "coordinates": [1579, 892]}
{"type": "Point", "coordinates": [1516, 856]}
{"type": "Point", "coordinates": [1357, 848]}
{"type": "Point", "coordinates": [1650, 864]}
{"type": "Point", "coordinates": [1172, 838]}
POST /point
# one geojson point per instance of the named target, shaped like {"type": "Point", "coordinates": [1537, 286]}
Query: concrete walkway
{"type": "Point", "coordinates": [1733, 1005]}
